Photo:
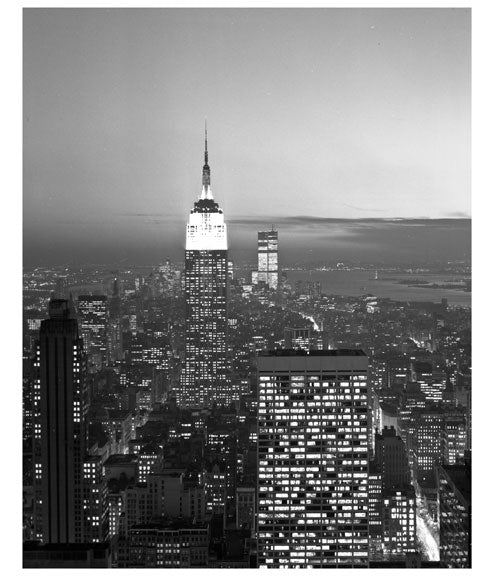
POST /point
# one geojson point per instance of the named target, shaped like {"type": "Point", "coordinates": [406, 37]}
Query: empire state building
{"type": "Point", "coordinates": [205, 379]}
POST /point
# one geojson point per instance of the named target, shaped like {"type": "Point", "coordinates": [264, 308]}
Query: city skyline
{"type": "Point", "coordinates": [318, 128]}
{"type": "Point", "coordinates": [192, 398]}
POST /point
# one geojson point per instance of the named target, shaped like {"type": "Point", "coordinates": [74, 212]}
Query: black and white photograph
{"type": "Point", "coordinates": [246, 287]}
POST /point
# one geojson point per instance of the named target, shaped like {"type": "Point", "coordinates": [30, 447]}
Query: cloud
{"type": "Point", "coordinates": [312, 221]}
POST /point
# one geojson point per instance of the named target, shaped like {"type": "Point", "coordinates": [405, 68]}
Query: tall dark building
{"type": "Point", "coordinates": [391, 459]}
{"type": "Point", "coordinates": [205, 379]}
{"type": "Point", "coordinates": [313, 459]}
{"type": "Point", "coordinates": [455, 515]}
{"type": "Point", "coordinates": [394, 529]}
{"type": "Point", "coordinates": [60, 407]}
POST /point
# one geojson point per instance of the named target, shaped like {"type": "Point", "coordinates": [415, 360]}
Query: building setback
{"type": "Point", "coordinates": [313, 459]}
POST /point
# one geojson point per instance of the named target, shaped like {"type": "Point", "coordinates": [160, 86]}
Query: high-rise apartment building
{"type": "Point", "coordinates": [267, 259]}
{"type": "Point", "coordinates": [312, 459]}
{"type": "Point", "coordinates": [205, 379]}
{"type": "Point", "coordinates": [59, 410]}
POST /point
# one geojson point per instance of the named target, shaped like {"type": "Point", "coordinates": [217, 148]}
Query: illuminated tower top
{"type": "Point", "coordinates": [206, 228]}
{"type": "Point", "coordinates": [206, 174]}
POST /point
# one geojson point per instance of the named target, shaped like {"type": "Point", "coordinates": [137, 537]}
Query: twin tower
{"type": "Point", "coordinates": [206, 378]}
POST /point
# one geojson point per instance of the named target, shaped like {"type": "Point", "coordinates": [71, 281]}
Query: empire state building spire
{"type": "Point", "coordinates": [206, 193]}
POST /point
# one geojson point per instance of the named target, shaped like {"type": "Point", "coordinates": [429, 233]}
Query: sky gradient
{"type": "Point", "coordinates": [332, 114]}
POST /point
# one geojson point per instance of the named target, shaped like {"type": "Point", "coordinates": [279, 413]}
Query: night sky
{"type": "Point", "coordinates": [313, 116]}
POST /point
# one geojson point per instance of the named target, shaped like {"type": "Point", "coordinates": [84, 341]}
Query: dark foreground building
{"type": "Point", "coordinates": [37, 555]}
{"type": "Point", "coordinates": [60, 406]}
{"type": "Point", "coordinates": [455, 515]}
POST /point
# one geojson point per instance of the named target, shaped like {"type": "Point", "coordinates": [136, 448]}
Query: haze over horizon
{"type": "Point", "coordinates": [314, 117]}
{"type": "Point", "coordinates": [370, 241]}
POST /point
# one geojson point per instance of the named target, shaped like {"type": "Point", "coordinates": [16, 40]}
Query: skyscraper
{"type": "Point", "coordinates": [313, 459]}
{"type": "Point", "coordinates": [391, 459]}
{"type": "Point", "coordinates": [455, 514]}
{"type": "Point", "coordinates": [93, 312]}
{"type": "Point", "coordinates": [267, 259]}
{"type": "Point", "coordinates": [115, 351]}
{"type": "Point", "coordinates": [60, 407]}
{"type": "Point", "coordinates": [205, 379]}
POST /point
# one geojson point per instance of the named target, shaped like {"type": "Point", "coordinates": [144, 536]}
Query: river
{"type": "Point", "coordinates": [358, 282]}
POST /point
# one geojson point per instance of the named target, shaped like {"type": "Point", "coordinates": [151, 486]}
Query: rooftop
{"type": "Point", "coordinates": [336, 352]}
{"type": "Point", "coordinates": [461, 477]}
{"type": "Point", "coordinates": [121, 459]}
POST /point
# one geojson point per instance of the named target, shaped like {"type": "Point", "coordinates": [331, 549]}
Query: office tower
{"type": "Point", "coordinates": [214, 481]}
{"type": "Point", "coordinates": [93, 313]}
{"type": "Point", "coordinates": [392, 527]}
{"type": "Point", "coordinates": [432, 381]}
{"type": "Point", "coordinates": [391, 459]}
{"type": "Point", "coordinates": [305, 339]}
{"type": "Point", "coordinates": [412, 399]}
{"type": "Point", "coordinates": [375, 505]}
{"type": "Point", "coordinates": [205, 379]}
{"type": "Point", "coordinates": [426, 440]}
{"type": "Point", "coordinates": [463, 397]}
{"type": "Point", "coordinates": [454, 437]}
{"type": "Point", "coordinates": [455, 515]}
{"type": "Point", "coordinates": [61, 287]}
{"type": "Point", "coordinates": [398, 521]}
{"type": "Point", "coordinates": [267, 260]}
{"type": "Point", "coordinates": [96, 520]}
{"type": "Point", "coordinates": [312, 459]}
{"type": "Point", "coordinates": [60, 408]}
{"type": "Point", "coordinates": [115, 347]}
{"type": "Point", "coordinates": [297, 338]}
{"type": "Point", "coordinates": [149, 459]}
{"type": "Point", "coordinates": [246, 508]}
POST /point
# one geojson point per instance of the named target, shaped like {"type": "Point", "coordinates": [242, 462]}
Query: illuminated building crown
{"type": "Point", "coordinates": [206, 228]}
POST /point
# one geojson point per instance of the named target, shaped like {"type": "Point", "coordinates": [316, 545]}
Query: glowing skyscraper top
{"type": "Point", "coordinates": [206, 228]}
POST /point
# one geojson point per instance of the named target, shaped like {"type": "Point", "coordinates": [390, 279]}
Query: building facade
{"type": "Point", "coordinates": [313, 459]}
{"type": "Point", "coordinates": [205, 379]}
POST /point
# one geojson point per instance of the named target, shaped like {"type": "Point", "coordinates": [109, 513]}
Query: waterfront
{"type": "Point", "coordinates": [360, 282]}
